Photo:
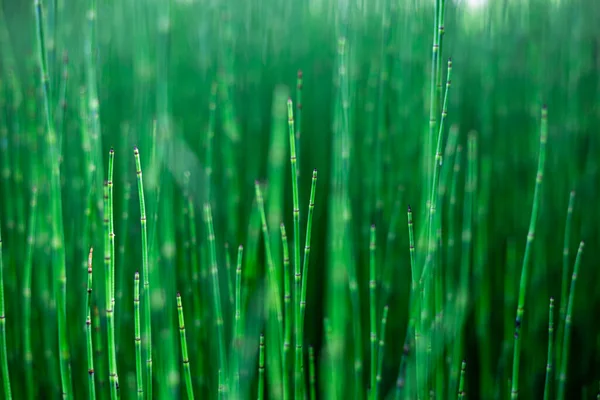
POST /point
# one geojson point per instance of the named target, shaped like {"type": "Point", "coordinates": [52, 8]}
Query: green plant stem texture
{"type": "Point", "coordinates": [525, 269]}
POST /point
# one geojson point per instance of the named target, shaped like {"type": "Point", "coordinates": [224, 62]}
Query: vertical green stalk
{"type": "Point", "coordinates": [298, 112]}
{"type": "Point", "coordinates": [305, 265]}
{"type": "Point", "coordinates": [565, 272]}
{"type": "Point", "coordinates": [27, 349]}
{"type": "Point", "coordinates": [373, 309]}
{"type": "Point", "coordinates": [461, 385]}
{"type": "Point", "coordinates": [525, 269]}
{"type": "Point", "coordinates": [88, 329]}
{"type": "Point", "coordinates": [58, 251]}
{"type": "Point", "coordinates": [261, 368]}
{"type": "Point", "coordinates": [3, 353]}
{"type": "Point", "coordinates": [145, 275]}
{"type": "Point", "coordinates": [139, 374]}
{"type": "Point", "coordinates": [311, 373]}
{"type": "Point", "coordinates": [287, 304]}
{"type": "Point", "coordinates": [237, 336]}
{"type": "Point", "coordinates": [381, 351]}
{"type": "Point", "coordinates": [273, 298]}
{"type": "Point", "coordinates": [565, 343]}
{"type": "Point", "coordinates": [110, 301]}
{"type": "Point", "coordinates": [549, 363]}
{"type": "Point", "coordinates": [184, 351]}
{"type": "Point", "coordinates": [214, 271]}
{"type": "Point", "coordinates": [298, 271]}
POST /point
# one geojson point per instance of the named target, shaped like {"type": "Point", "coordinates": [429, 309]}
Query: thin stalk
{"type": "Point", "coordinates": [298, 112]}
{"type": "Point", "coordinates": [27, 270]}
{"type": "Point", "coordinates": [145, 275]}
{"type": "Point", "coordinates": [238, 318]}
{"type": "Point", "coordinates": [565, 343]}
{"type": "Point", "coordinates": [305, 265]}
{"type": "Point", "coordinates": [287, 304]}
{"type": "Point", "coordinates": [525, 270]}
{"type": "Point", "coordinates": [214, 272]}
{"type": "Point", "coordinates": [88, 329]}
{"type": "Point", "coordinates": [298, 271]}
{"type": "Point", "coordinates": [139, 373]}
{"type": "Point", "coordinates": [261, 368]}
{"type": "Point", "coordinates": [549, 364]}
{"type": "Point", "coordinates": [110, 305]}
{"type": "Point", "coordinates": [565, 272]}
{"type": "Point", "coordinates": [311, 373]}
{"type": "Point", "coordinates": [3, 353]}
{"type": "Point", "coordinates": [373, 309]}
{"type": "Point", "coordinates": [184, 350]}
{"type": "Point", "coordinates": [58, 250]}
{"type": "Point", "coordinates": [381, 351]}
{"type": "Point", "coordinates": [461, 384]}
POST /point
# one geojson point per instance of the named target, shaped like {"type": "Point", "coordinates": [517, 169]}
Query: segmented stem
{"type": "Point", "coordinates": [214, 272]}
{"type": "Point", "coordinates": [287, 304]}
{"type": "Point", "coordinates": [526, 257]}
{"type": "Point", "coordinates": [297, 270]}
{"type": "Point", "coordinates": [139, 374]}
{"type": "Point", "coordinates": [564, 359]}
{"type": "Point", "coordinates": [3, 352]}
{"type": "Point", "coordinates": [381, 351]}
{"type": "Point", "coordinates": [261, 368]}
{"type": "Point", "coordinates": [145, 275]}
{"type": "Point", "coordinates": [110, 305]}
{"type": "Point", "coordinates": [373, 309]}
{"type": "Point", "coordinates": [311, 373]}
{"type": "Point", "coordinates": [88, 330]}
{"type": "Point", "coordinates": [549, 362]}
{"type": "Point", "coordinates": [461, 384]}
{"type": "Point", "coordinates": [184, 350]}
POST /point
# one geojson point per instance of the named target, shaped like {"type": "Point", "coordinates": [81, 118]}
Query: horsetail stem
{"type": "Point", "coordinates": [184, 351]}
{"type": "Point", "coordinates": [58, 253]}
{"type": "Point", "coordinates": [436, 171]}
{"type": "Point", "coordinates": [567, 335]}
{"type": "Point", "coordinates": [229, 276]}
{"type": "Point", "coordinates": [3, 351]}
{"type": "Point", "coordinates": [525, 268]}
{"type": "Point", "coordinates": [297, 271]}
{"type": "Point", "coordinates": [88, 329]}
{"type": "Point", "coordinates": [27, 291]}
{"type": "Point", "coordinates": [311, 373]}
{"type": "Point", "coordinates": [110, 305]}
{"type": "Point", "coordinates": [214, 272]}
{"type": "Point", "coordinates": [261, 368]}
{"type": "Point", "coordinates": [287, 303]}
{"type": "Point", "coordinates": [565, 272]}
{"type": "Point", "coordinates": [305, 266]}
{"type": "Point", "coordinates": [373, 309]}
{"type": "Point", "coordinates": [139, 374]}
{"type": "Point", "coordinates": [461, 385]}
{"type": "Point", "coordinates": [145, 275]}
{"type": "Point", "coordinates": [549, 362]}
{"type": "Point", "coordinates": [238, 318]}
{"type": "Point", "coordinates": [381, 351]}
{"type": "Point", "coordinates": [298, 119]}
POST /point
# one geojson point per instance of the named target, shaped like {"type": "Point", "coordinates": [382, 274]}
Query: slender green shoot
{"type": "Point", "coordinates": [565, 271]}
{"type": "Point", "coordinates": [298, 271]}
{"type": "Point", "coordinates": [311, 209]}
{"type": "Point", "coordinates": [525, 269]}
{"type": "Point", "coordinates": [549, 363]}
{"type": "Point", "coordinates": [139, 373]}
{"type": "Point", "coordinates": [461, 384]}
{"type": "Point", "coordinates": [287, 304]}
{"type": "Point", "coordinates": [214, 272]}
{"type": "Point", "coordinates": [381, 351]}
{"type": "Point", "coordinates": [373, 310]}
{"type": "Point", "coordinates": [88, 330]}
{"type": "Point", "coordinates": [565, 343]}
{"type": "Point", "coordinates": [110, 306]}
{"type": "Point", "coordinates": [145, 275]}
{"type": "Point", "coordinates": [311, 374]}
{"type": "Point", "coordinates": [238, 318]}
{"type": "Point", "coordinates": [184, 350]}
{"type": "Point", "coordinates": [261, 368]}
{"type": "Point", "coordinates": [3, 352]}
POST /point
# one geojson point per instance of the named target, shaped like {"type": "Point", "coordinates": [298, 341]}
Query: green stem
{"type": "Point", "coordinates": [549, 362]}
{"type": "Point", "coordinates": [139, 373]}
{"type": "Point", "coordinates": [184, 350]}
{"type": "Point", "coordinates": [88, 325]}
